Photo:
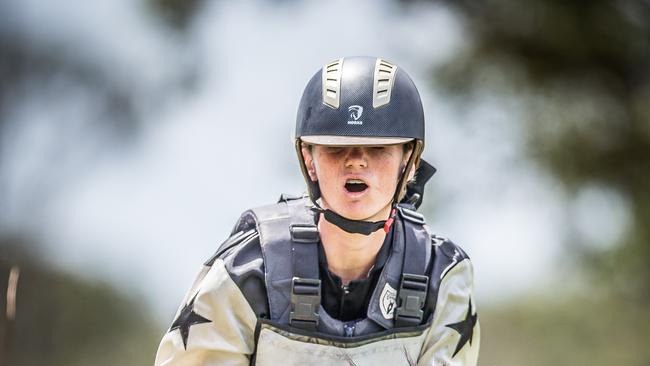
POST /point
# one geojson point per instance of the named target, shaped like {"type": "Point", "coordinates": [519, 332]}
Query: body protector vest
{"type": "Point", "coordinates": [398, 313]}
{"type": "Point", "coordinates": [258, 300]}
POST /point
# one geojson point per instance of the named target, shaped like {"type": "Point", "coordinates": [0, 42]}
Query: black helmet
{"type": "Point", "coordinates": [360, 101]}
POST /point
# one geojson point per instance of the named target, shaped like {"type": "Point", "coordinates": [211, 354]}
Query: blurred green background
{"type": "Point", "coordinates": [571, 78]}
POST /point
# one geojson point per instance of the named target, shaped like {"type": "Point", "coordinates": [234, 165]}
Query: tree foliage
{"type": "Point", "coordinates": [581, 71]}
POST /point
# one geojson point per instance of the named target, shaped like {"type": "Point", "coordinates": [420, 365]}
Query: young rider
{"type": "Point", "coordinates": [348, 274]}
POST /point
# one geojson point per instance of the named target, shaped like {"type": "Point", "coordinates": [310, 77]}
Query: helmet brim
{"type": "Point", "coordinates": [328, 140]}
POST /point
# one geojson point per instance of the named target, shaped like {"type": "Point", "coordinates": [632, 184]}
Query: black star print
{"type": "Point", "coordinates": [465, 328]}
{"type": "Point", "coordinates": [186, 319]}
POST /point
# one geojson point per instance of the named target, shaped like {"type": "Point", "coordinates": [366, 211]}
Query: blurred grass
{"type": "Point", "coordinates": [590, 328]}
{"type": "Point", "coordinates": [66, 320]}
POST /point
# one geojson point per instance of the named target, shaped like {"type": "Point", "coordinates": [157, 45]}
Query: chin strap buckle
{"type": "Point", "coordinates": [412, 296]}
{"type": "Point", "coordinates": [305, 302]}
{"type": "Point", "coordinates": [390, 220]}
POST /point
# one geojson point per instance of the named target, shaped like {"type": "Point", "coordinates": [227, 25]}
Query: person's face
{"type": "Point", "coordinates": [357, 182]}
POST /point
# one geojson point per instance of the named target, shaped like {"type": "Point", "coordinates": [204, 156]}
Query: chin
{"type": "Point", "coordinates": [362, 208]}
{"type": "Point", "coordinates": [359, 211]}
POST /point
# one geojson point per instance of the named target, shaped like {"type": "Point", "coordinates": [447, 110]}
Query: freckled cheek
{"type": "Point", "coordinates": [327, 179]}
{"type": "Point", "coordinates": [389, 176]}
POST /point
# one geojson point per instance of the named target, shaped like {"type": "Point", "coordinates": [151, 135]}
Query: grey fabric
{"type": "Point", "coordinates": [246, 268]}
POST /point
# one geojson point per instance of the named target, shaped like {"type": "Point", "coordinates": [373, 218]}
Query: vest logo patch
{"type": "Point", "coordinates": [387, 301]}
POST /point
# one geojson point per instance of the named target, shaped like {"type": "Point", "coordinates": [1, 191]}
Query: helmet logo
{"type": "Point", "coordinates": [355, 113]}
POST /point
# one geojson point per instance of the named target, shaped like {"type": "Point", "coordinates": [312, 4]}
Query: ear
{"type": "Point", "coordinates": [411, 174]}
{"type": "Point", "coordinates": [405, 159]}
{"type": "Point", "coordinates": [309, 162]}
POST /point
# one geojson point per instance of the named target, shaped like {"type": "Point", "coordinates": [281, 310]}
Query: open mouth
{"type": "Point", "coordinates": [355, 185]}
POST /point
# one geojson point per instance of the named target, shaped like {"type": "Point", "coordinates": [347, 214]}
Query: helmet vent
{"type": "Point", "coordinates": [332, 83]}
{"type": "Point", "coordinates": [383, 84]}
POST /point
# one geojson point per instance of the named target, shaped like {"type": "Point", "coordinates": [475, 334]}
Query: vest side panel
{"type": "Point", "coordinates": [226, 334]}
{"type": "Point", "coordinates": [454, 335]}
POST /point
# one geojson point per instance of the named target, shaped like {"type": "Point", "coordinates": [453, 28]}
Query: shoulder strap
{"type": "Point", "coordinates": [305, 284]}
{"type": "Point", "coordinates": [288, 238]}
{"type": "Point", "coordinates": [414, 284]}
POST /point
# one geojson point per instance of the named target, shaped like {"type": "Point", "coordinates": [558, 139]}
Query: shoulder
{"type": "Point", "coordinates": [240, 259]}
{"type": "Point", "coordinates": [254, 225]}
{"type": "Point", "coordinates": [447, 259]}
{"type": "Point", "coordinates": [452, 269]}
{"type": "Point", "coordinates": [445, 253]}
{"type": "Point", "coordinates": [240, 255]}
{"type": "Point", "coordinates": [287, 207]}
{"type": "Point", "coordinates": [448, 252]}
{"type": "Point", "coordinates": [260, 243]}
{"type": "Point", "coordinates": [451, 278]}
{"type": "Point", "coordinates": [449, 270]}
{"type": "Point", "coordinates": [234, 244]}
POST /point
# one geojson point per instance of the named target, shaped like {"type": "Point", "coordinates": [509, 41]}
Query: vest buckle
{"type": "Point", "coordinates": [305, 303]}
{"type": "Point", "coordinates": [412, 296]}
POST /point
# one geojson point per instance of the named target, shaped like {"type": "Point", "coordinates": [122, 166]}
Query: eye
{"type": "Point", "coordinates": [378, 150]}
{"type": "Point", "coordinates": [333, 149]}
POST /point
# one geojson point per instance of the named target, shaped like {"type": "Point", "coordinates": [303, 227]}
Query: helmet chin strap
{"type": "Point", "coordinates": [357, 226]}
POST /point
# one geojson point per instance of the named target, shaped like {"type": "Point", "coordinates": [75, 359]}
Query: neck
{"type": "Point", "coordinates": [349, 256]}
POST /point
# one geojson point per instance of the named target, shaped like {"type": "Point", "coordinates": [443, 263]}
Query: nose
{"type": "Point", "coordinates": [356, 157]}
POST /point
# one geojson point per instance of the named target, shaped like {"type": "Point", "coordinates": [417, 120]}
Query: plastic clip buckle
{"type": "Point", "coordinates": [412, 296]}
{"type": "Point", "coordinates": [305, 302]}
